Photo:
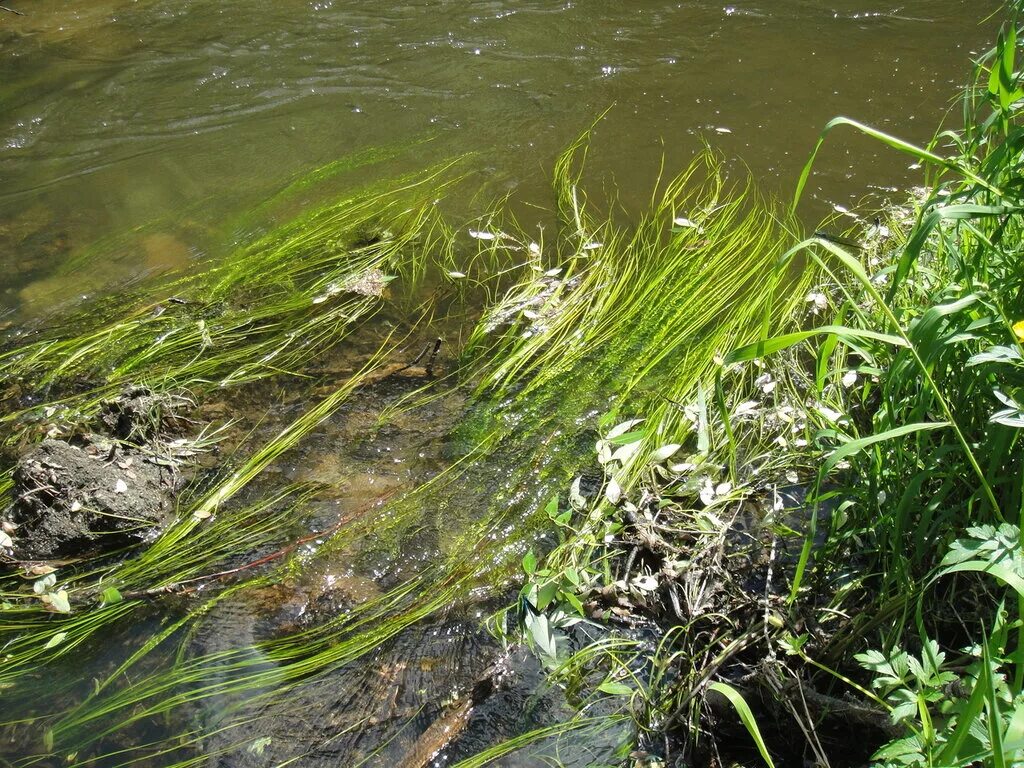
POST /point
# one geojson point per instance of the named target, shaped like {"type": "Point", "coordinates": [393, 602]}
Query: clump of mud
{"type": "Point", "coordinates": [89, 494]}
{"type": "Point", "coordinates": [91, 491]}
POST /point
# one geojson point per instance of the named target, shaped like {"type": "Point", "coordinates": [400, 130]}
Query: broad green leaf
{"type": "Point", "coordinates": [530, 563]}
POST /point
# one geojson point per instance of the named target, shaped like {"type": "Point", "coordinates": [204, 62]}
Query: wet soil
{"type": "Point", "coordinates": [97, 490]}
{"type": "Point", "coordinates": [92, 493]}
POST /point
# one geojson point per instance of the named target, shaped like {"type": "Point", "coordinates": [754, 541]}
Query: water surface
{"type": "Point", "coordinates": [173, 116]}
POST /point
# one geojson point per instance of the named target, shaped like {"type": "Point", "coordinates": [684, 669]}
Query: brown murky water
{"type": "Point", "coordinates": [170, 117]}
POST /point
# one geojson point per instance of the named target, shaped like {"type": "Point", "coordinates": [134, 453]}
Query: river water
{"type": "Point", "coordinates": [117, 115]}
{"type": "Point", "coordinates": [130, 132]}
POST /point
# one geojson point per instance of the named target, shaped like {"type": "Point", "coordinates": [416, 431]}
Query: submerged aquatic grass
{"type": "Point", "coordinates": [602, 316]}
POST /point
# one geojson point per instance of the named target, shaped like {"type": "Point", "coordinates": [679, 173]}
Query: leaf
{"type": "Point", "coordinates": [665, 452]}
{"type": "Point", "coordinates": [530, 563]}
{"type": "Point", "coordinates": [1000, 570]}
{"type": "Point", "coordinates": [778, 343]}
{"type": "Point", "coordinates": [110, 596]}
{"type": "Point", "coordinates": [546, 594]}
{"type": "Point", "coordinates": [59, 601]}
{"type": "Point", "coordinates": [746, 716]}
{"type": "Point", "coordinates": [626, 438]}
{"type": "Point", "coordinates": [621, 429]}
{"type": "Point", "coordinates": [540, 633]}
{"type": "Point", "coordinates": [551, 508]}
{"type": "Point", "coordinates": [615, 689]}
{"type": "Point", "coordinates": [995, 355]}
{"type": "Point", "coordinates": [624, 453]}
{"type": "Point", "coordinates": [613, 492]}
{"type": "Point", "coordinates": [56, 640]}
{"type": "Point", "coordinates": [258, 745]}
{"type": "Point", "coordinates": [576, 499]}
{"type": "Point", "coordinates": [854, 446]}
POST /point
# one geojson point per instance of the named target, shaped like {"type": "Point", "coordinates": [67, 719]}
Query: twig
{"type": "Point", "coordinates": [433, 356]}
{"type": "Point", "coordinates": [11, 10]}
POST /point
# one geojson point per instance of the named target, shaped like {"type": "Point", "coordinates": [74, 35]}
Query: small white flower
{"type": "Point", "coordinates": [535, 249]}
{"type": "Point", "coordinates": [800, 443]}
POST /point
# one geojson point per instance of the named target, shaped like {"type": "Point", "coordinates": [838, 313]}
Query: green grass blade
{"type": "Point", "coordinates": [746, 716]}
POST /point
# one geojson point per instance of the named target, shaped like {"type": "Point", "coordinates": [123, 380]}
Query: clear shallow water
{"type": "Point", "coordinates": [176, 116]}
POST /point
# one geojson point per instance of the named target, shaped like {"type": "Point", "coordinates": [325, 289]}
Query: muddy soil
{"type": "Point", "coordinates": [91, 493]}
{"type": "Point", "coordinates": [109, 482]}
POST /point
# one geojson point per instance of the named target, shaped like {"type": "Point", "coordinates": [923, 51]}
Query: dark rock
{"type": "Point", "coordinates": [92, 494]}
